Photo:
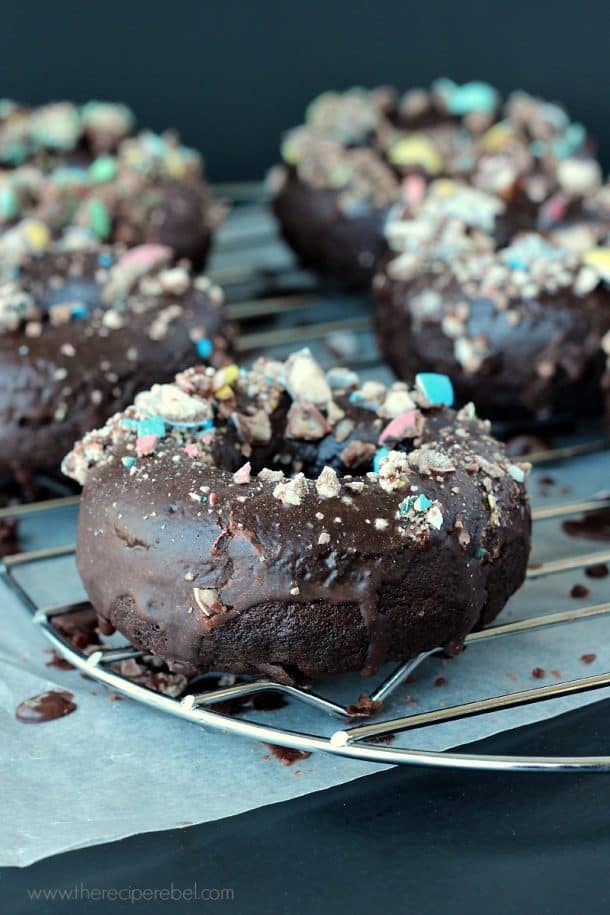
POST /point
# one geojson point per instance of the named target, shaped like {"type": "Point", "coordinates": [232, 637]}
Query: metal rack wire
{"type": "Point", "coordinates": [355, 740]}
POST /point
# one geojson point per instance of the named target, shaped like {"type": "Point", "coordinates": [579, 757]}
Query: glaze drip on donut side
{"type": "Point", "coordinates": [293, 523]}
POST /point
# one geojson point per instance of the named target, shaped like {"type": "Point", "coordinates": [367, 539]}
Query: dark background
{"type": "Point", "coordinates": [232, 75]}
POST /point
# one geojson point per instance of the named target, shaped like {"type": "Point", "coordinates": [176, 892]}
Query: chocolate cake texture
{"type": "Point", "coordinates": [290, 523]}
{"type": "Point", "coordinates": [518, 327]}
{"type": "Point", "coordinates": [347, 164]}
{"type": "Point", "coordinates": [85, 326]}
{"type": "Point", "coordinates": [65, 164]}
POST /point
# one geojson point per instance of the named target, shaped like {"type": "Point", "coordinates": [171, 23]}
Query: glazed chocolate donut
{"type": "Point", "coordinates": [62, 164]}
{"type": "Point", "coordinates": [517, 328]}
{"type": "Point", "coordinates": [292, 524]}
{"type": "Point", "coordinates": [344, 167]}
{"type": "Point", "coordinates": [83, 330]}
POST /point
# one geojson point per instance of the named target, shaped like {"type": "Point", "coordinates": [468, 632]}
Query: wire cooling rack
{"type": "Point", "coordinates": [287, 307]}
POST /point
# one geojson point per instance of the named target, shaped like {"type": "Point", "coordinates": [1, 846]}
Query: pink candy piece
{"type": "Point", "coordinates": [243, 474]}
{"type": "Point", "coordinates": [413, 190]}
{"type": "Point", "coordinates": [145, 256]}
{"type": "Point", "coordinates": [553, 210]}
{"type": "Point", "coordinates": [191, 450]}
{"type": "Point", "coordinates": [146, 444]}
{"type": "Point", "coordinates": [404, 426]}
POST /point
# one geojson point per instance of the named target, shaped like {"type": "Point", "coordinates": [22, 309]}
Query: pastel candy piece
{"type": "Point", "coordinates": [146, 444]}
{"type": "Point", "coordinates": [417, 150]}
{"type": "Point", "coordinates": [191, 449]}
{"type": "Point", "coordinates": [437, 389]}
{"type": "Point", "coordinates": [599, 259]}
{"type": "Point", "coordinates": [9, 204]}
{"type": "Point", "coordinates": [404, 426]}
{"type": "Point", "coordinates": [99, 218]}
{"type": "Point", "coordinates": [204, 348]}
{"type": "Point", "coordinates": [475, 96]}
{"type": "Point", "coordinates": [497, 137]}
{"type": "Point", "coordinates": [243, 474]}
{"type": "Point", "coordinates": [380, 455]}
{"type": "Point", "coordinates": [36, 234]}
{"type": "Point", "coordinates": [146, 256]}
{"type": "Point", "coordinates": [225, 376]}
{"type": "Point", "coordinates": [553, 210]}
{"type": "Point", "coordinates": [153, 425]}
{"type": "Point", "coordinates": [104, 168]}
{"type": "Point", "coordinates": [422, 503]}
{"type": "Point", "coordinates": [413, 190]}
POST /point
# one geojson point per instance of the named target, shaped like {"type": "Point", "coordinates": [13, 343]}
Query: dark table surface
{"type": "Point", "coordinates": [408, 840]}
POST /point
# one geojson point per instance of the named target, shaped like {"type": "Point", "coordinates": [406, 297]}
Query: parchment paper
{"type": "Point", "coordinates": [114, 768]}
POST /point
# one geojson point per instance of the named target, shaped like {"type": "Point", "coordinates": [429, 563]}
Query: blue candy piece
{"type": "Point", "coordinates": [204, 348]}
{"type": "Point", "coordinates": [382, 453]}
{"type": "Point", "coordinates": [437, 389]}
{"type": "Point", "coordinates": [422, 503]}
{"type": "Point", "coordinates": [516, 263]}
{"type": "Point", "coordinates": [475, 96]}
{"type": "Point", "coordinates": [79, 312]}
{"type": "Point", "coordinates": [128, 461]}
{"type": "Point", "coordinates": [130, 423]}
{"type": "Point", "coordinates": [105, 259]}
{"type": "Point", "coordinates": [154, 425]}
{"type": "Point", "coordinates": [405, 506]}
{"type": "Point", "coordinates": [419, 503]}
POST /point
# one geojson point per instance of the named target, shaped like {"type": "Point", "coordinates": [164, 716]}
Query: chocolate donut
{"type": "Point", "coordinates": [344, 167]}
{"type": "Point", "coordinates": [63, 164]}
{"type": "Point", "coordinates": [283, 522]}
{"type": "Point", "coordinates": [517, 328]}
{"type": "Point", "coordinates": [83, 330]}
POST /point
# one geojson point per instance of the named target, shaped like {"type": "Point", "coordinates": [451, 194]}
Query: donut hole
{"type": "Point", "coordinates": [347, 454]}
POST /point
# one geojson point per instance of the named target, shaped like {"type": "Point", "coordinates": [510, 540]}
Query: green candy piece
{"type": "Point", "coordinates": [9, 204]}
{"type": "Point", "coordinates": [99, 218]}
{"type": "Point", "coordinates": [103, 168]}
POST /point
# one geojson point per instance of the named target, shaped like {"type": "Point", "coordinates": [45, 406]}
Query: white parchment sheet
{"type": "Point", "coordinates": [114, 768]}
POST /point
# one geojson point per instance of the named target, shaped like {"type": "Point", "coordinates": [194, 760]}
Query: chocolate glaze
{"type": "Point", "coordinates": [71, 376]}
{"type": "Point", "coordinates": [564, 329]}
{"type": "Point", "coordinates": [46, 707]}
{"type": "Point", "coordinates": [326, 239]}
{"type": "Point", "coordinates": [291, 579]}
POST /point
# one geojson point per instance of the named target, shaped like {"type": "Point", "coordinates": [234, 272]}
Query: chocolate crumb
{"type": "Point", "coordinates": [58, 661]}
{"type": "Point", "coordinates": [9, 528]}
{"type": "Point", "coordinates": [597, 571]}
{"type": "Point", "coordinates": [365, 707]}
{"type": "Point", "coordinates": [579, 590]}
{"type": "Point", "coordinates": [538, 673]}
{"type": "Point", "coordinates": [287, 755]}
{"type": "Point", "coordinates": [588, 658]}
